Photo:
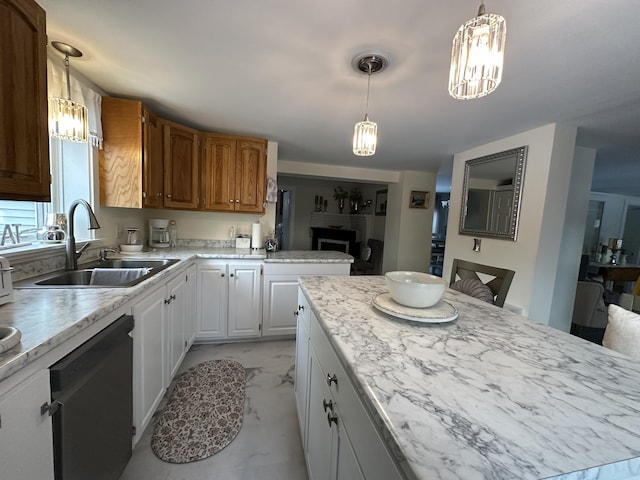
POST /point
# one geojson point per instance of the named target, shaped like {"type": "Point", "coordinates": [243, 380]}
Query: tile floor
{"type": "Point", "coordinates": [268, 446]}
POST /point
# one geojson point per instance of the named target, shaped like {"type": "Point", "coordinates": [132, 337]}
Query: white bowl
{"type": "Point", "coordinates": [415, 289]}
{"type": "Point", "coordinates": [126, 248]}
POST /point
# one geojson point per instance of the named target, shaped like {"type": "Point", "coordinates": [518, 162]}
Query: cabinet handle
{"type": "Point", "coordinates": [237, 201]}
{"type": "Point", "coordinates": [332, 418]}
{"type": "Point", "coordinates": [49, 408]}
{"type": "Point", "coordinates": [222, 275]}
{"type": "Point", "coordinates": [295, 313]}
{"type": "Point", "coordinates": [326, 405]}
{"type": "Point", "coordinates": [231, 274]}
{"type": "Point", "coordinates": [231, 200]}
{"type": "Point", "coordinates": [301, 307]}
{"type": "Point", "coordinates": [332, 379]}
{"type": "Point", "coordinates": [168, 195]}
{"type": "Point", "coordinates": [167, 301]}
{"type": "Point", "coordinates": [172, 297]}
{"type": "Point", "coordinates": [159, 194]}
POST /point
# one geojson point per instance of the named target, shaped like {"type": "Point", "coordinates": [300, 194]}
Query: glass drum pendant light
{"type": "Point", "coordinates": [477, 56]}
{"type": "Point", "coordinates": [365, 135]}
{"type": "Point", "coordinates": [67, 119]}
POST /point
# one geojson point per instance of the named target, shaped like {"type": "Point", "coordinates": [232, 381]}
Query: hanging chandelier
{"type": "Point", "coordinates": [67, 119]}
{"type": "Point", "coordinates": [477, 56]}
{"type": "Point", "coordinates": [365, 135]}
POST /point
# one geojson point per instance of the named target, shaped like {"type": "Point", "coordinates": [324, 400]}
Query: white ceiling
{"type": "Point", "coordinates": [281, 69]}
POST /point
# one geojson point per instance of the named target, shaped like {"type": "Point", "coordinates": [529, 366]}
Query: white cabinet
{"type": "Point", "coordinates": [158, 346]}
{"type": "Point", "coordinates": [191, 293]}
{"type": "Point", "coordinates": [229, 296]}
{"type": "Point", "coordinates": [176, 304]}
{"type": "Point", "coordinates": [301, 382]}
{"type": "Point", "coordinates": [340, 440]}
{"type": "Point", "coordinates": [26, 442]}
{"type": "Point", "coordinates": [212, 300]}
{"type": "Point", "coordinates": [245, 285]}
{"type": "Point", "coordinates": [280, 292]}
{"type": "Point", "coordinates": [148, 358]}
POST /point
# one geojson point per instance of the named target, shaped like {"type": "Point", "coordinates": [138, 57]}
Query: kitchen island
{"type": "Point", "coordinates": [491, 395]}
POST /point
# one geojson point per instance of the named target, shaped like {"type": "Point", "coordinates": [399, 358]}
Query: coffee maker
{"type": "Point", "coordinates": [158, 233]}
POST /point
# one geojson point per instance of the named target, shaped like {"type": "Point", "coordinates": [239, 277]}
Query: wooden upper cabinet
{"type": "Point", "coordinates": [233, 174]}
{"type": "Point", "coordinates": [24, 142]}
{"type": "Point", "coordinates": [131, 161]}
{"type": "Point", "coordinates": [153, 162]}
{"type": "Point", "coordinates": [218, 174]}
{"type": "Point", "coordinates": [251, 171]}
{"type": "Point", "coordinates": [180, 167]}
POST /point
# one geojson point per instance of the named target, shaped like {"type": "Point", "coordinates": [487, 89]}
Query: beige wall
{"type": "Point", "coordinates": [545, 268]}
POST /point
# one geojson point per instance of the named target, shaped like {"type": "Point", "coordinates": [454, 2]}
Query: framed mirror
{"type": "Point", "coordinates": [491, 194]}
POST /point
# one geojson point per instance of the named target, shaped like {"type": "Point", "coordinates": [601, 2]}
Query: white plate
{"type": "Point", "coordinates": [441, 312]}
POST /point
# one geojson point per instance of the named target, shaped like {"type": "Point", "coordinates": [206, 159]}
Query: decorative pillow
{"type": "Point", "coordinates": [623, 332]}
{"type": "Point", "coordinates": [474, 288]}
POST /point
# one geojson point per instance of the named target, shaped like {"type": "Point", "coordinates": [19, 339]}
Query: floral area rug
{"type": "Point", "coordinates": [203, 414]}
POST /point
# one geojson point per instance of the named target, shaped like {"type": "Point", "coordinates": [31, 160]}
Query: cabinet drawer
{"type": "Point", "coordinates": [370, 450]}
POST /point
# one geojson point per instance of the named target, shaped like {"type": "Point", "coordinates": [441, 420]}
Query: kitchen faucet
{"type": "Point", "coordinates": [72, 254]}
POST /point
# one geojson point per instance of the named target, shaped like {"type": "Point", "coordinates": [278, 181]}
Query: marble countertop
{"type": "Point", "coordinates": [491, 395]}
{"type": "Point", "coordinates": [48, 317]}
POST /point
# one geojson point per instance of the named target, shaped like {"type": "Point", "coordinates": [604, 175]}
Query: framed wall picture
{"type": "Point", "coordinates": [419, 199]}
{"type": "Point", "coordinates": [381, 202]}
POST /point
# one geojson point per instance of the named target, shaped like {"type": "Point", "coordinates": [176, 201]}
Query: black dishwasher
{"type": "Point", "coordinates": [92, 401]}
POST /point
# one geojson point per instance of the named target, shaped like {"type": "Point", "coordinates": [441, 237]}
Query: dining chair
{"type": "Point", "coordinates": [499, 284]}
{"type": "Point", "coordinates": [623, 332]}
{"type": "Point", "coordinates": [589, 317]}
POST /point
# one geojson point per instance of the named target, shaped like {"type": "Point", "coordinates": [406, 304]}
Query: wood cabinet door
{"type": "Point", "coordinates": [218, 174]}
{"type": "Point", "coordinates": [24, 141]}
{"type": "Point", "coordinates": [121, 158]}
{"type": "Point", "coordinates": [152, 163]}
{"type": "Point", "coordinates": [251, 170]}
{"type": "Point", "coordinates": [180, 167]}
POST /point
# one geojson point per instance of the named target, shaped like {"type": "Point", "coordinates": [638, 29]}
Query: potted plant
{"type": "Point", "coordinates": [339, 194]}
{"type": "Point", "coordinates": [355, 199]}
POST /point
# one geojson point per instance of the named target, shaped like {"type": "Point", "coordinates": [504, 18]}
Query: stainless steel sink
{"type": "Point", "coordinates": [114, 273]}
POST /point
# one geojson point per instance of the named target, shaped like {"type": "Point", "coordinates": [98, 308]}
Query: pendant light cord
{"type": "Point", "coordinates": [66, 67]}
{"type": "Point", "coordinates": [368, 85]}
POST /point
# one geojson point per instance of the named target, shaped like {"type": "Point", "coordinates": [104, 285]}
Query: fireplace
{"type": "Point", "coordinates": [334, 239]}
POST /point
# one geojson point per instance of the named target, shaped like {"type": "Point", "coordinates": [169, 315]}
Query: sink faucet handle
{"type": "Point", "coordinates": [104, 252]}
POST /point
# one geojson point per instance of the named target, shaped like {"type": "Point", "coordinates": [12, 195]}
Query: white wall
{"type": "Point", "coordinates": [407, 241]}
{"type": "Point", "coordinates": [544, 206]}
{"type": "Point", "coordinates": [408, 230]}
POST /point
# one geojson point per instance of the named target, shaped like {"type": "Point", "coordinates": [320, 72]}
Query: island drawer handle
{"type": "Point", "coordinates": [332, 379]}
{"type": "Point", "coordinates": [326, 404]}
{"type": "Point", "coordinates": [332, 418]}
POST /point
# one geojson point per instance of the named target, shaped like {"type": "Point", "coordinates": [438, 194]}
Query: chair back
{"type": "Point", "coordinates": [589, 296]}
{"type": "Point", "coordinates": [499, 285]}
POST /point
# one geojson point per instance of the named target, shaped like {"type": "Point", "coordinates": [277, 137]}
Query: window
{"type": "Point", "coordinates": [72, 178]}
{"type": "Point", "coordinates": [72, 174]}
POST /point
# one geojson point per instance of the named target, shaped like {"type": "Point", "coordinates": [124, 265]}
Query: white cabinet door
{"type": "Point", "coordinates": [191, 310]}
{"type": "Point", "coordinates": [279, 304]}
{"type": "Point", "coordinates": [322, 440]}
{"type": "Point", "coordinates": [245, 284]}
{"type": "Point", "coordinates": [280, 292]}
{"type": "Point", "coordinates": [148, 358]}
{"type": "Point", "coordinates": [26, 442]}
{"type": "Point", "coordinates": [301, 384]}
{"type": "Point", "coordinates": [348, 468]}
{"type": "Point", "coordinates": [212, 301]}
{"type": "Point", "coordinates": [175, 318]}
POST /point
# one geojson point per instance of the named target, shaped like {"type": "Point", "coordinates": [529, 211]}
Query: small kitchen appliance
{"type": "Point", "coordinates": [6, 285]}
{"type": "Point", "coordinates": [158, 233]}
